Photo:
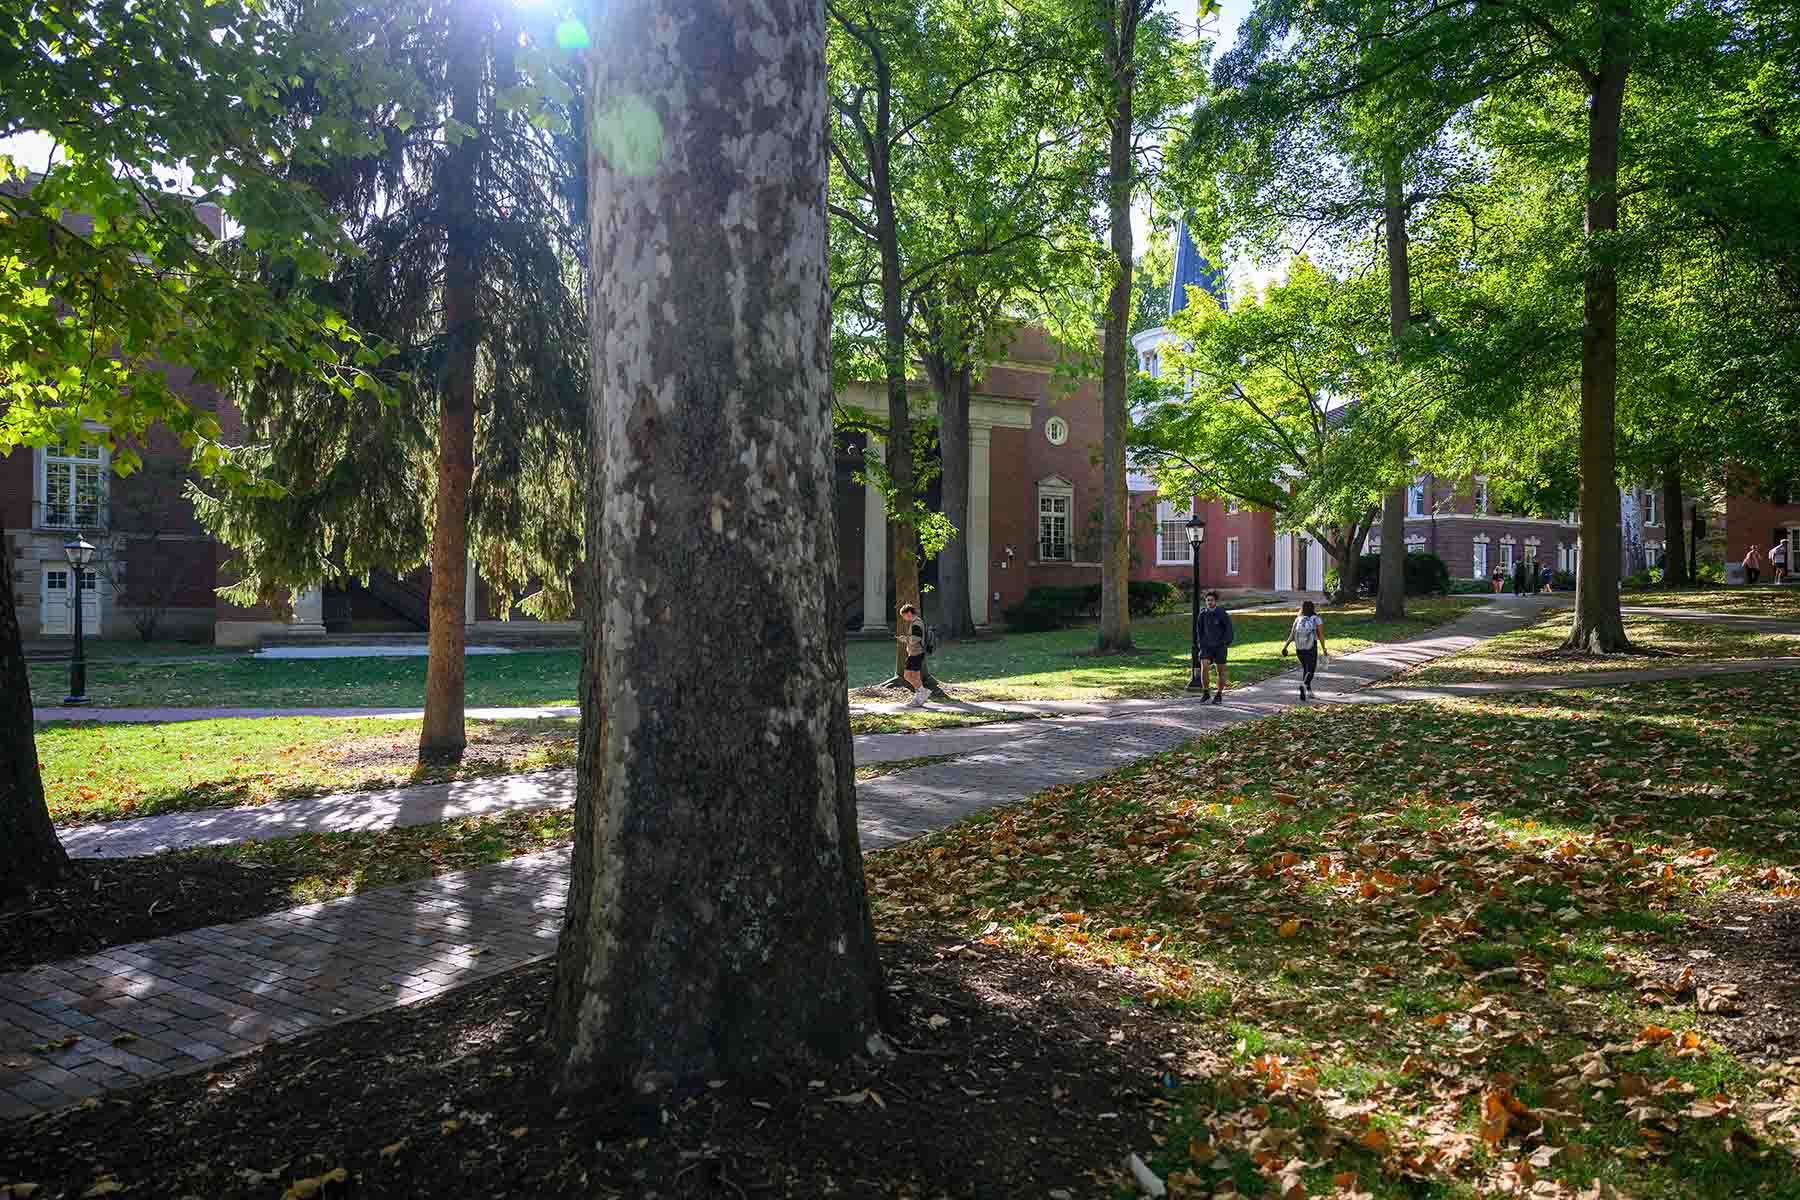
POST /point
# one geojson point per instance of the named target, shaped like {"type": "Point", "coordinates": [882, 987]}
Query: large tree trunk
{"type": "Point", "coordinates": [1390, 599]}
{"type": "Point", "coordinates": [30, 855]}
{"type": "Point", "coordinates": [1675, 556]}
{"type": "Point", "coordinates": [717, 922]}
{"type": "Point", "coordinates": [952, 384]}
{"type": "Point", "coordinates": [1598, 627]}
{"type": "Point", "coordinates": [1115, 517]}
{"type": "Point", "coordinates": [441, 737]}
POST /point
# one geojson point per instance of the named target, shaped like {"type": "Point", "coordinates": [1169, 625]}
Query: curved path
{"type": "Point", "coordinates": [193, 998]}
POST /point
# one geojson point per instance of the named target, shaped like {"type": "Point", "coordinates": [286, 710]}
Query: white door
{"type": "Point", "coordinates": [1284, 562]}
{"type": "Point", "coordinates": [58, 600]}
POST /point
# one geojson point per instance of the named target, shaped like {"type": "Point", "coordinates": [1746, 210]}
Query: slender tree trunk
{"type": "Point", "coordinates": [30, 854]}
{"type": "Point", "coordinates": [1675, 556]}
{"type": "Point", "coordinates": [952, 384]}
{"type": "Point", "coordinates": [903, 539]}
{"type": "Point", "coordinates": [1115, 519]}
{"type": "Point", "coordinates": [717, 923]}
{"type": "Point", "coordinates": [441, 737]}
{"type": "Point", "coordinates": [1390, 598]}
{"type": "Point", "coordinates": [1598, 627]}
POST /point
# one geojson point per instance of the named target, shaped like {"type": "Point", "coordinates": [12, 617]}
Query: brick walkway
{"type": "Point", "coordinates": [178, 1003]}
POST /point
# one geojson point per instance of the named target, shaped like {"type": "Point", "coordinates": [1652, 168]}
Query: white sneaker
{"type": "Point", "coordinates": [918, 699]}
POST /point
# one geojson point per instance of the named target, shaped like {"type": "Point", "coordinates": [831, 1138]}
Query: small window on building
{"type": "Point", "coordinates": [74, 487]}
{"type": "Point", "coordinates": [1481, 496]}
{"type": "Point", "coordinates": [1481, 560]}
{"type": "Point", "coordinates": [1653, 554]}
{"type": "Point", "coordinates": [1415, 500]}
{"type": "Point", "coordinates": [1171, 532]}
{"type": "Point", "coordinates": [1232, 507]}
{"type": "Point", "coordinates": [1053, 526]}
{"type": "Point", "coordinates": [1231, 556]}
{"type": "Point", "coordinates": [1507, 556]}
{"type": "Point", "coordinates": [1650, 507]}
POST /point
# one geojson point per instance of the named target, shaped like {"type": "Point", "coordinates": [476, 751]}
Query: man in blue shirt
{"type": "Point", "coordinates": [1215, 635]}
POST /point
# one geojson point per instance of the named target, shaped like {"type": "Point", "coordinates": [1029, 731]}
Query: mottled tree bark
{"type": "Point", "coordinates": [1115, 517]}
{"type": "Point", "coordinates": [441, 736]}
{"type": "Point", "coordinates": [1390, 595]}
{"type": "Point", "coordinates": [1676, 569]}
{"type": "Point", "coordinates": [30, 854]}
{"type": "Point", "coordinates": [717, 921]}
{"type": "Point", "coordinates": [1599, 628]}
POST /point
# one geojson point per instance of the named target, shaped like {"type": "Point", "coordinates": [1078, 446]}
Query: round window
{"type": "Point", "coordinates": [1056, 431]}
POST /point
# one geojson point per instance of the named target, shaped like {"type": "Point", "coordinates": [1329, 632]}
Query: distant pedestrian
{"type": "Point", "coordinates": [914, 639]}
{"type": "Point", "coordinates": [1753, 564]}
{"type": "Point", "coordinates": [1537, 576]}
{"type": "Point", "coordinates": [1308, 638]}
{"type": "Point", "coordinates": [1778, 560]}
{"type": "Point", "coordinates": [1216, 636]}
{"type": "Point", "coordinates": [1518, 578]}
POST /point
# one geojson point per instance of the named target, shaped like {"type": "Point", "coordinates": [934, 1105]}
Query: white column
{"type": "Point", "coordinates": [1284, 562]}
{"type": "Point", "coordinates": [980, 502]}
{"type": "Point", "coordinates": [309, 612]}
{"type": "Point", "coordinates": [874, 549]}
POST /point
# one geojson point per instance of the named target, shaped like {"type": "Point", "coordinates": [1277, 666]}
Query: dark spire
{"type": "Point", "coordinates": [1191, 267]}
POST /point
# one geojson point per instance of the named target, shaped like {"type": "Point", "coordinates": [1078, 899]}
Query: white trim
{"type": "Point", "coordinates": [1234, 558]}
{"type": "Point", "coordinates": [1168, 514]}
{"type": "Point", "coordinates": [1055, 487]}
{"type": "Point", "coordinates": [1500, 519]}
{"type": "Point", "coordinates": [1415, 495]}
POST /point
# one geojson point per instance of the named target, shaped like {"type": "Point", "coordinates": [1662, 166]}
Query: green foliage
{"type": "Point", "coordinates": [1426, 574]}
{"type": "Point", "coordinates": [1046, 607]}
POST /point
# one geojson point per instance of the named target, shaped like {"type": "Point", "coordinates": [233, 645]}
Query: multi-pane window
{"type": "Point", "coordinates": [1507, 550]}
{"type": "Point", "coordinates": [1232, 557]}
{"type": "Point", "coordinates": [1481, 560]}
{"type": "Point", "coordinates": [1653, 554]}
{"type": "Point", "coordinates": [1053, 527]}
{"type": "Point", "coordinates": [74, 487]}
{"type": "Point", "coordinates": [1415, 500]}
{"type": "Point", "coordinates": [1171, 531]}
{"type": "Point", "coordinates": [1231, 507]}
{"type": "Point", "coordinates": [1481, 496]}
{"type": "Point", "coordinates": [1650, 507]}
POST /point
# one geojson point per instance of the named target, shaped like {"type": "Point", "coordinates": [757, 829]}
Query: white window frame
{"type": "Point", "coordinates": [1479, 559]}
{"type": "Point", "coordinates": [1650, 506]}
{"type": "Point", "coordinates": [1171, 530]}
{"type": "Point", "coordinates": [1415, 500]}
{"type": "Point", "coordinates": [1509, 555]}
{"type": "Point", "coordinates": [52, 459]}
{"type": "Point", "coordinates": [1048, 508]}
{"type": "Point", "coordinates": [1232, 507]}
{"type": "Point", "coordinates": [1654, 553]}
{"type": "Point", "coordinates": [1481, 496]}
{"type": "Point", "coordinates": [1233, 556]}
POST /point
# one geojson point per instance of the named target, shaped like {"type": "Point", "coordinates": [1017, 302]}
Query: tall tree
{"type": "Point", "coordinates": [1276, 403]}
{"type": "Point", "coordinates": [469, 266]}
{"type": "Point", "coordinates": [1133, 71]}
{"type": "Point", "coordinates": [106, 279]}
{"type": "Point", "coordinates": [717, 920]}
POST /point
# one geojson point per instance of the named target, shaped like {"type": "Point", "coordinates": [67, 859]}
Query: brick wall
{"type": "Point", "coordinates": [1752, 521]}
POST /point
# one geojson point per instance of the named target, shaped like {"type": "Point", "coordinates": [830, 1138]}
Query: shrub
{"type": "Point", "coordinates": [1470, 587]}
{"type": "Point", "coordinates": [1034, 614]}
{"type": "Point", "coordinates": [1146, 597]}
{"type": "Point", "coordinates": [1563, 581]}
{"type": "Point", "coordinates": [1639, 579]}
{"type": "Point", "coordinates": [1426, 575]}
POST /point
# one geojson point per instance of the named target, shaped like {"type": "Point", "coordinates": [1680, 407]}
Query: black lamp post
{"type": "Point", "coordinates": [1196, 535]}
{"type": "Point", "coordinates": [79, 554]}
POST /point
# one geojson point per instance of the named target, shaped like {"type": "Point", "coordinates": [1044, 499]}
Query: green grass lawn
{"type": "Point", "coordinates": [1034, 666]}
{"type": "Point", "coordinates": [95, 772]}
{"type": "Point", "coordinates": [1536, 649]}
{"type": "Point", "coordinates": [1056, 666]}
{"type": "Point", "coordinates": [1426, 950]}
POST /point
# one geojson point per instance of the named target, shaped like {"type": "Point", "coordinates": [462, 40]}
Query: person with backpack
{"type": "Point", "coordinates": [1308, 639]}
{"type": "Point", "coordinates": [916, 650]}
{"type": "Point", "coordinates": [1215, 635]}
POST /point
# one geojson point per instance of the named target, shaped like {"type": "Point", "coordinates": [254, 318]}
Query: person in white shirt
{"type": "Point", "coordinates": [1308, 639]}
{"type": "Point", "coordinates": [1778, 560]}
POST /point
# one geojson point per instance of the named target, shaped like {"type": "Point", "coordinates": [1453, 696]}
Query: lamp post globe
{"type": "Point", "coordinates": [79, 553]}
{"type": "Point", "coordinates": [1196, 536]}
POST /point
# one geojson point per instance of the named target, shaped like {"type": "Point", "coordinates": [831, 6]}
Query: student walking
{"type": "Point", "coordinates": [1308, 639]}
{"type": "Point", "coordinates": [1216, 635]}
{"type": "Point", "coordinates": [1778, 560]}
{"type": "Point", "coordinates": [1752, 564]}
{"type": "Point", "coordinates": [914, 638]}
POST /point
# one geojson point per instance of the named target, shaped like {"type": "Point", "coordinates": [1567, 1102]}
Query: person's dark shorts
{"type": "Point", "coordinates": [1750, 574]}
{"type": "Point", "coordinates": [1213, 654]}
{"type": "Point", "coordinates": [915, 662]}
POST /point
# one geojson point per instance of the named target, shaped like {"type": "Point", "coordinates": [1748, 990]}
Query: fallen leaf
{"type": "Point", "coordinates": [1289, 927]}
{"type": "Point", "coordinates": [393, 1148]}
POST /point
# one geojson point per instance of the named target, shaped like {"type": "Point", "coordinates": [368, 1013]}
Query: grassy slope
{"type": "Point", "coordinates": [1412, 939]}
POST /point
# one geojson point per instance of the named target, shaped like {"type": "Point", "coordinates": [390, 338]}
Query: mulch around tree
{"type": "Point", "coordinates": [1741, 959]}
{"type": "Point", "coordinates": [1017, 1076]}
{"type": "Point", "coordinates": [110, 902]}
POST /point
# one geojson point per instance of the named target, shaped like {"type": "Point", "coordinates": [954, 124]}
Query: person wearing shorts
{"type": "Point", "coordinates": [1216, 636]}
{"type": "Point", "coordinates": [914, 638]}
{"type": "Point", "coordinates": [1778, 562]}
{"type": "Point", "coordinates": [1308, 639]}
